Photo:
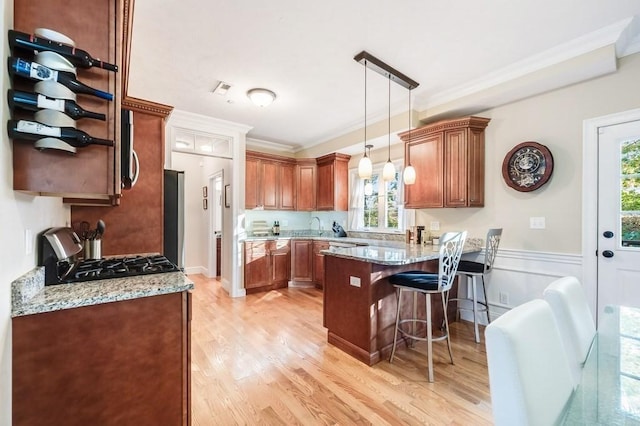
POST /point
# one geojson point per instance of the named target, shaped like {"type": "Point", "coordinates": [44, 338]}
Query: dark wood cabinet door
{"type": "Point", "coordinates": [124, 363]}
{"type": "Point", "coordinates": [318, 262]}
{"type": "Point", "coordinates": [280, 254]}
{"type": "Point", "coordinates": [455, 168]}
{"type": "Point", "coordinates": [252, 198]}
{"type": "Point", "coordinates": [270, 185]}
{"type": "Point", "coordinates": [302, 260]}
{"type": "Point", "coordinates": [306, 187]}
{"type": "Point", "coordinates": [475, 168]}
{"type": "Point", "coordinates": [426, 156]}
{"type": "Point", "coordinates": [287, 190]}
{"type": "Point", "coordinates": [257, 264]}
{"type": "Point", "coordinates": [325, 197]}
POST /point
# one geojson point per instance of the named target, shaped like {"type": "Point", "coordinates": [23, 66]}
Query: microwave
{"type": "Point", "coordinates": [129, 163]}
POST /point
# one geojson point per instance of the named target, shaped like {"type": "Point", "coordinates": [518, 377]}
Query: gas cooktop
{"type": "Point", "coordinates": [117, 267]}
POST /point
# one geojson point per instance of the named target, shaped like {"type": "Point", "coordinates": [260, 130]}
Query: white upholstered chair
{"type": "Point", "coordinates": [576, 324]}
{"type": "Point", "coordinates": [529, 375]}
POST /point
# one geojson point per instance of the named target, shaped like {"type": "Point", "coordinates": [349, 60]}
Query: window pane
{"type": "Point", "coordinates": [630, 193]}
{"type": "Point", "coordinates": [391, 213]}
{"type": "Point", "coordinates": [371, 203]}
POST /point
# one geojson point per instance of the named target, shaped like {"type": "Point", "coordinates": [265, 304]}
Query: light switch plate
{"type": "Point", "coordinates": [537, 223]}
{"type": "Point", "coordinates": [434, 226]}
{"type": "Point", "coordinates": [354, 281]}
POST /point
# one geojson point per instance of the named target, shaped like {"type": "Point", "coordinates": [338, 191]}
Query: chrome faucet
{"type": "Point", "coordinates": [319, 225]}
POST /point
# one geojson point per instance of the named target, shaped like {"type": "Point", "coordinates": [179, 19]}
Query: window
{"type": "Point", "coordinates": [376, 205]}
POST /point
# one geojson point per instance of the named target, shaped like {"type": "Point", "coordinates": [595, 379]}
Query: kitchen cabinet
{"type": "Point", "coordinates": [333, 182]}
{"type": "Point", "coordinates": [318, 262]}
{"type": "Point", "coordinates": [449, 160]}
{"type": "Point", "coordinates": [137, 224]}
{"type": "Point", "coordinates": [270, 181]}
{"type": "Point", "coordinates": [302, 262]}
{"type": "Point", "coordinates": [124, 362]}
{"type": "Point", "coordinates": [267, 265]}
{"type": "Point", "coordinates": [306, 184]}
{"type": "Point", "coordinates": [93, 173]}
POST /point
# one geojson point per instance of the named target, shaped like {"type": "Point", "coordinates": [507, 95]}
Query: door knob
{"type": "Point", "coordinates": [607, 234]}
{"type": "Point", "coordinates": [607, 253]}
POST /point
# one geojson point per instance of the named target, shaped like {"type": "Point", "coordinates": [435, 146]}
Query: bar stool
{"type": "Point", "coordinates": [472, 270]}
{"type": "Point", "coordinates": [427, 283]}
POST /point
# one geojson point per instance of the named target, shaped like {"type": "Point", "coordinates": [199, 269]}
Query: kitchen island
{"type": "Point", "coordinates": [360, 303]}
{"type": "Point", "coordinates": [112, 351]}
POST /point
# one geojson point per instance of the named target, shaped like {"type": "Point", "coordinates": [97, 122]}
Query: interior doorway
{"type": "Point", "coordinates": [611, 179]}
{"type": "Point", "coordinates": [215, 228]}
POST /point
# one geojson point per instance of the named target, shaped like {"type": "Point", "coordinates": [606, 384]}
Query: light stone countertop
{"type": "Point", "coordinates": [29, 295]}
{"type": "Point", "coordinates": [398, 254]}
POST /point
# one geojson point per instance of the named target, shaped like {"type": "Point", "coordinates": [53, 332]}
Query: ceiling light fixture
{"type": "Point", "coordinates": [409, 173]}
{"type": "Point", "coordinates": [261, 97]}
{"type": "Point", "coordinates": [365, 168]}
{"type": "Point", "coordinates": [370, 61]}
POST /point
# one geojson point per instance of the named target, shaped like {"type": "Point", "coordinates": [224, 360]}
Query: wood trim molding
{"type": "Point", "coordinates": [269, 157]}
{"type": "Point", "coordinates": [153, 108]}
{"type": "Point", "coordinates": [472, 122]}
{"type": "Point", "coordinates": [127, 29]}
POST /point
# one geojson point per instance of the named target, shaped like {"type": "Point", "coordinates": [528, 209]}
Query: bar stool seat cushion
{"type": "Point", "coordinates": [470, 266]}
{"type": "Point", "coordinates": [419, 280]}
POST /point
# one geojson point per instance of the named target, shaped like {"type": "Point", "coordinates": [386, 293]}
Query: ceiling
{"type": "Point", "coordinates": [303, 51]}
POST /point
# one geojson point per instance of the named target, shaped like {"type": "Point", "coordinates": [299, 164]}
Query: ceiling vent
{"type": "Point", "coordinates": [222, 88]}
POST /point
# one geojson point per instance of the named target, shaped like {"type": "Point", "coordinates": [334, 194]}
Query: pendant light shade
{"type": "Point", "coordinates": [389, 171]}
{"type": "Point", "coordinates": [409, 175]}
{"type": "Point", "coordinates": [368, 188]}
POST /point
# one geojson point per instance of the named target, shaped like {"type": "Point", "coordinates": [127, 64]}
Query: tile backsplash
{"type": "Point", "coordinates": [292, 221]}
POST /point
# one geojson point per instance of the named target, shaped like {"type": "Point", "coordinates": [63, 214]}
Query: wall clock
{"type": "Point", "coordinates": [527, 166]}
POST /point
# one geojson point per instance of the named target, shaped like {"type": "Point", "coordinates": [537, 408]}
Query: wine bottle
{"type": "Point", "coordinates": [35, 71]}
{"type": "Point", "coordinates": [35, 101]}
{"type": "Point", "coordinates": [31, 130]}
{"type": "Point", "coordinates": [78, 57]}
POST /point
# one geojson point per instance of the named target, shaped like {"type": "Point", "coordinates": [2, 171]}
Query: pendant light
{"type": "Point", "coordinates": [365, 168]}
{"type": "Point", "coordinates": [409, 173]}
{"type": "Point", "coordinates": [389, 170]}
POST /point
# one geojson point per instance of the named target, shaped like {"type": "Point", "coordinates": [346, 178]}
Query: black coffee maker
{"type": "Point", "coordinates": [58, 248]}
{"type": "Point", "coordinates": [338, 231]}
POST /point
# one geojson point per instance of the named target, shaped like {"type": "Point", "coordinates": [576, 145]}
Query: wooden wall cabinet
{"type": "Point", "coordinates": [137, 224]}
{"type": "Point", "coordinates": [333, 182]}
{"type": "Point", "coordinates": [267, 265]}
{"type": "Point", "coordinates": [449, 160]}
{"type": "Point", "coordinates": [270, 181]}
{"type": "Point", "coordinates": [93, 173]}
{"type": "Point", "coordinates": [302, 261]}
{"type": "Point", "coordinates": [318, 262]}
{"type": "Point", "coordinates": [113, 363]}
{"type": "Point", "coordinates": [306, 184]}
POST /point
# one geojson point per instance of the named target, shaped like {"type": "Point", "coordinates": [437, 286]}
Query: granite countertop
{"type": "Point", "coordinates": [398, 254]}
{"type": "Point", "coordinates": [29, 295]}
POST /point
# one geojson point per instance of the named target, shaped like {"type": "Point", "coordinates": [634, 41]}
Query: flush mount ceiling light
{"type": "Point", "coordinates": [370, 61]}
{"type": "Point", "coordinates": [261, 97]}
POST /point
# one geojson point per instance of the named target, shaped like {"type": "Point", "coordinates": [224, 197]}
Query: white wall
{"type": "Point", "coordinates": [20, 212]}
{"type": "Point", "coordinates": [529, 259]}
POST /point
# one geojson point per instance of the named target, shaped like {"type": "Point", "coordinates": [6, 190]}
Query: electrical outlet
{"type": "Point", "coordinates": [504, 298]}
{"type": "Point", "coordinates": [354, 281]}
{"type": "Point", "coordinates": [434, 226]}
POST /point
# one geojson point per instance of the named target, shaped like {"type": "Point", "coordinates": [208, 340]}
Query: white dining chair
{"type": "Point", "coordinates": [576, 324]}
{"type": "Point", "coordinates": [529, 376]}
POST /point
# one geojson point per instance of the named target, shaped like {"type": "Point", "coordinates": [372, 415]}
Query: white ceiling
{"type": "Point", "coordinates": [304, 51]}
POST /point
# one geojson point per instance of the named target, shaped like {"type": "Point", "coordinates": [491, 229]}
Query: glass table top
{"type": "Point", "coordinates": [609, 393]}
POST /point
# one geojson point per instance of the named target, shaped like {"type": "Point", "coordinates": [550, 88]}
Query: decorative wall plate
{"type": "Point", "coordinates": [527, 166]}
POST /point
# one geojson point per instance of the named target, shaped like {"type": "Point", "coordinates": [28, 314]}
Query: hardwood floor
{"type": "Point", "coordinates": [264, 359]}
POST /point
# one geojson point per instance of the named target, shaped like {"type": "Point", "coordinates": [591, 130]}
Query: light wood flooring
{"type": "Point", "coordinates": [264, 359]}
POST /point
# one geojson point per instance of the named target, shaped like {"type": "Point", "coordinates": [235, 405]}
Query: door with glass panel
{"type": "Point", "coordinates": [619, 215]}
